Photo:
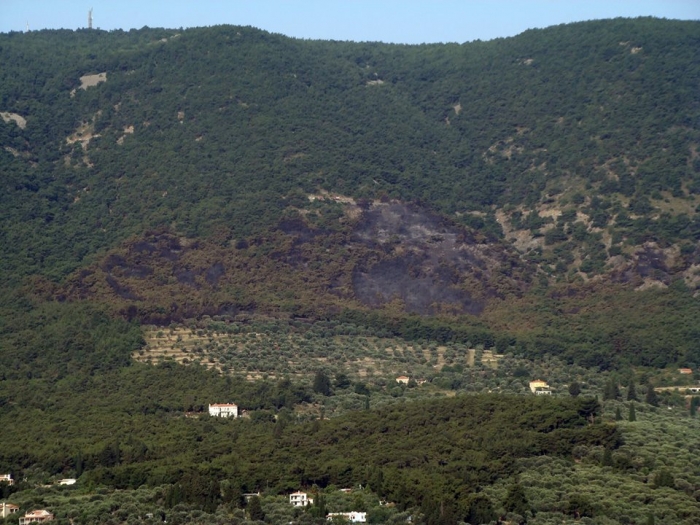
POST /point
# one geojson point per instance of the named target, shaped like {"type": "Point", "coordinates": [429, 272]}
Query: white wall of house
{"type": "Point", "coordinates": [223, 410]}
{"type": "Point", "coordinates": [8, 508]}
{"type": "Point", "coordinates": [352, 517]}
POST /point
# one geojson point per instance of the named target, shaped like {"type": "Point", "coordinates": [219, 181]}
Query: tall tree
{"type": "Point", "coordinates": [632, 391]}
{"type": "Point", "coordinates": [480, 510]}
{"type": "Point", "coordinates": [651, 396]}
{"type": "Point", "coordinates": [255, 510]}
{"type": "Point", "coordinates": [516, 500]}
{"type": "Point", "coordinates": [322, 383]}
{"type": "Point", "coordinates": [633, 413]}
{"type": "Point", "coordinates": [611, 391]}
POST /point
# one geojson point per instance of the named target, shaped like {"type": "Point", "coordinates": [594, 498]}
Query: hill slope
{"type": "Point", "coordinates": [177, 174]}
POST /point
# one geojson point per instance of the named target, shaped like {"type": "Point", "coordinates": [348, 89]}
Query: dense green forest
{"type": "Point", "coordinates": [174, 174]}
{"type": "Point", "coordinates": [138, 438]}
{"type": "Point", "coordinates": [227, 215]}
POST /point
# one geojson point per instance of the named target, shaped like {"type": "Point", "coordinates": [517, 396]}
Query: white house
{"type": "Point", "coordinates": [8, 508]}
{"type": "Point", "coordinates": [6, 478]}
{"type": "Point", "coordinates": [36, 516]}
{"type": "Point", "coordinates": [403, 380]}
{"type": "Point", "coordinates": [223, 410]}
{"type": "Point", "coordinates": [300, 499]}
{"type": "Point", "coordinates": [352, 517]}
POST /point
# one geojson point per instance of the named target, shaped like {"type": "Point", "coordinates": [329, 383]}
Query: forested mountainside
{"type": "Point", "coordinates": [204, 171]}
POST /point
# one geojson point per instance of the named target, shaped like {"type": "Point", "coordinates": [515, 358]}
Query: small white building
{"type": "Point", "coordinates": [67, 481]}
{"type": "Point", "coordinates": [6, 478]}
{"type": "Point", "coordinates": [223, 410]}
{"type": "Point", "coordinates": [403, 380]}
{"type": "Point", "coordinates": [352, 517]}
{"type": "Point", "coordinates": [8, 508]}
{"type": "Point", "coordinates": [300, 499]}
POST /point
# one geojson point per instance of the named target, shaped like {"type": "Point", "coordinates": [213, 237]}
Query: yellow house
{"type": "Point", "coordinates": [539, 387]}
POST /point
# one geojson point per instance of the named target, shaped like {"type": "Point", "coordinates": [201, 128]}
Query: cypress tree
{"type": "Point", "coordinates": [632, 391]}
{"type": "Point", "coordinates": [318, 509]}
{"type": "Point", "coordinates": [516, 500]}
{"type": "Point", "coordinates": [480, 510]}
{"type": "Point", "coordinates": [612, 391]}
{"type": "Point", "coordinates": [618, 414]}
{"type": "Point", "coordinates": [255, 509]}
{"type": "Point", "coordinates": [651, 396]}
{"type": "Point", "coordinates": [322, 383]}
{"type": "Point", "coordinates": [80, 461]}
{"type": "Point", "coordinates": [633, 413]}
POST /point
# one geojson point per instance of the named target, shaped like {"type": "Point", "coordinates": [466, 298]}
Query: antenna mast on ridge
{"type": "Point", "coordinates": [90, 19]}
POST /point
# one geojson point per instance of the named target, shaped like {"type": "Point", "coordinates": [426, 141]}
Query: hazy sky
{"type": "Point", "coordinates": [399, 21]}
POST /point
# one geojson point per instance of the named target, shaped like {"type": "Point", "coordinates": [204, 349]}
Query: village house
{"type": "Point", "coordinates": [223, 410]}
{"type": "Point", "coordinates": [403, 380]}
{"type": "Point", "coordinates": [540, 388]}
{"type": "Point", "coordinates": [352, 517]}
{"type": "Point", "coordinates": [300, 499]}
{"type": "Point", "coordinates": [6, 478]}
{"type": "Point", "coordinates": [685, 371]}
{"type": "Point", "coordinates": [36, 516]}
{"type": "Point", "coordinates": [8, 508]}
{"type": "Point", "coordinates": [249, 495]}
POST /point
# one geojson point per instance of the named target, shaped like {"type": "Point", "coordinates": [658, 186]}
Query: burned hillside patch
{"type": "Point", "coordinates": [429, 262]}
{"type": "Point", "coordinates": [214, 273]}
{"type": "Point", "coordinates": [421, 292]}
